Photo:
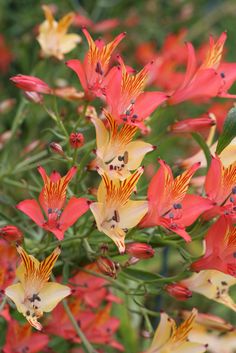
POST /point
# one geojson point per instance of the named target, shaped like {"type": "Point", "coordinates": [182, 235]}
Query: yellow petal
{"type": "Point", "coordinates": [48, 15]}
{"type": "Point", "coordinates": [46, 266]}
{"type": "Point", "coordinates": [65, 22]}
{"type": "Point", "coordinates": [51, 294]}
{"type": "Point", "coordinates": [28, 266]}
{"type": "Point", "coordinates": [102, 136]}
{"type": "Point", "coordinates": [132, 213]}
{"type": "Point", "coordinates": [136, 151]}
{"type": "Point", "coordinates": [16, 293]}
{"type": "Point", "coordinates": [68, 42]}
{"type": "Point", "coordinates": [191, 347]}
{"type": "Point", "coordinates": [162, 334]}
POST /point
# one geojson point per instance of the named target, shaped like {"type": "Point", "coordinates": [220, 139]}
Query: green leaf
{"type": "Point", "coordinates": [229, 131]}
{"type": "Point", "coordinates": [141, 275]}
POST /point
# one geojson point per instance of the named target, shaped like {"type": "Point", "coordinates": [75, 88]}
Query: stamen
{"type": "Point", "coordinates": [234, 190]}
{"type": "Point", "coordinates": [116, 216]}
{"type": "Point", "coordinates": [177, 206]}
{"type": "Point", "coordinates": [222, 74]}
{"type": "Point", "coordinates": [126, 157]}
{"type": "Point", "coordinates": [99, 68]}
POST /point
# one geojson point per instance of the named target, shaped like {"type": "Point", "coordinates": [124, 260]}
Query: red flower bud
{"type": "Point", "coordinates": [33, 97]}
{"type": "Point", "coordinates": [107, 266]}
{"type": "Point", "coordinates": [31, 84]}
{"type": "Point", "coordinates": [76, 140]}
{"type": "Point", "coordinates": [192, 125]}
{"type": "Point", "coordinates": [11, 233]}
{"type": "Point", "coordinates": [140, 250]}
{"type": "Point", "coordinates": [178, 291]}
{"type": "Point", "coordinates": [56, 148]}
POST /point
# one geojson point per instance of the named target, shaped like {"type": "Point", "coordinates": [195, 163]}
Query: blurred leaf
{"type": "Point", "coordinates": [140, 274]}
{"type": "Point", "coordinates": [229, 131]}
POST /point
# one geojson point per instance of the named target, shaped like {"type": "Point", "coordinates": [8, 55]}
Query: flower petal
{"type": "Point", "coordinates": [136, 151]}
{"type": "Point", "coordinates": [74, 209]}
{"type": "Point", "coordinates": [132, 213]}
{"type": "Point", "coordinates": [51, 294]}
{"type": "Point", "coordinates": [31, 209]}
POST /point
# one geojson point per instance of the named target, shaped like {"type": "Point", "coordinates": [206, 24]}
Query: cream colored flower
{"type": "Point", "coordinates": [212, 284]}
{"type": "Point", "coordinates": [53, 37]}
{"type": "Point", "coordinates": [169, 338]}
{"type": "Point", "coordinates": [114, 212]}
{"type": "Point", "coordinates": [116, 153]}
{"type": "Point", "coordinates": [34, 295]}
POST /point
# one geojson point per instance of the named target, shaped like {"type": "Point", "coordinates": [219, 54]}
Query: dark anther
{"type": "Point", "coordinates": [126, 157]}
{"type": "Point", "coordinates": [99, 69]}
{"type": "Point", "coordinates": [224, 283]}
{"type": "Point", "coordinates": [222, 74]}
{"type": "Point", "coordinates": [27, 313]}
{"type": "Point", "coordinates": [135, 116]}
{"type": "Point", "coordinates": [234, 190]}
{"type": "Point", "coordinates": [116, 216]}
{"type": "Point", "coordinates": [111, 167]}
{"type": "Point", "coordinates": [34, 297]}
{"type": "Point", "coordinates": [120, 158]}
{"type": "Point", "coordinates": [234, 254]}
{"type": "Point", "coordinates": [231, 199]}
{"type": "Point", "coordinates": [177, 206]}
{"type": "Point", "coordinates": [49, 210]}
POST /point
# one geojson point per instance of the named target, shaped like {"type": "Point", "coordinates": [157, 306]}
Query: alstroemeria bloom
{"type": "Point", "coordinates": [53, 37]}
{"type": "Point", "coordinates": [8, 260]}
{"type": "Point", "coordinates": [220, 187]}
{"type": "Point", "coordinates": [116, 153]}
{"type": "Point", "coordinates": [169, 338]}
{"type": "Point", "coordinates": [212, 284]}
{"type": "Point", "coordinates": [114, 212]}
{"type": "Point", "coordinates": [209, 80]}
{"type": "Point", "coordinates": [169, 205]}
{"type": "Point", "coordinates": [31, 84]}
{"type": "Point", "coordinates": [125, 98]}
{"type": "Point", "coordinates": [220, 248]}
{"type": "Point", "coordinates": [52, 200]}
{"type": "Point", "coordinates": [212, 330]}
{"type": "Point", "coordinates": [92, 72]}
{"type": "Point", "coordinates": [192, 125]}
{"type": "Point", "coordinates": [33, 294]}
{"type": "Point", "coordinates": [21, 338]}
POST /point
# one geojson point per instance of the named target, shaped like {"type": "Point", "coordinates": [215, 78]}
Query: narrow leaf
{"type": "Point", "coordinates": [229, 131]}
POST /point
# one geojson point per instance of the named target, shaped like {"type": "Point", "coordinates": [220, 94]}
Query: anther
{"type": "Point", "coordinates": [126, 157]}
{"type": "Point", "coordinates": [222, 74]}
{"type": "Point", "coordinates": [234, 190]}
{"type": "Point", "coordinates": [99, 69]}
{"type": "Point", "coordinates": [177, 206]}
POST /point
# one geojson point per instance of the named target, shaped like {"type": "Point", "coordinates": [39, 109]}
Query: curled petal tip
{"type": "Point", "coordinates": [154, 147]}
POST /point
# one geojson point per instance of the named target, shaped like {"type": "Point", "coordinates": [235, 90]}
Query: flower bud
{"type": "Point", "coordinates": [31, 84]}
{"type": "Point", "coordinates": [193, 125]}
{"type": "Point", "coordinates": [107, 266]}
{"type": "Point", "coordinates": [11, 233]}
{"type": "Point", "coordinates": [33, 97]}
{"type": "Point", "coordinates": [6, 105]}
{"type": "Point", "coordinates": [140, 250]}
{"type": "Point", "coordinates": [56, 148]}
{"type": "Point", "coordinates": [178, 291]}
{"type": "Point", "coordinates": [76, 140]}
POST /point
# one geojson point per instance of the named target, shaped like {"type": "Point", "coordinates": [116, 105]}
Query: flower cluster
{"type": "Point", "coordinates": [105, 229]}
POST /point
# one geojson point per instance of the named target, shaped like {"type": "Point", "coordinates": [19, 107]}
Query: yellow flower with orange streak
{"type": "Point", "coordinates": [53, 37]}
{"type": "Point", "coordinates": [114, 212]}
{"type": "Point", "coordinates": [169, 338]}
{"type": "Point", "coordinates": [212, 284]}
{"type": "Point", "coordinates": [34, 295]}
{"type": "Point", "coordinates": [116, 153]}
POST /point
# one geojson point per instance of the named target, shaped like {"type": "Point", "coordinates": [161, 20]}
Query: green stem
{"type": "Point", "coordinates": [201, 142]}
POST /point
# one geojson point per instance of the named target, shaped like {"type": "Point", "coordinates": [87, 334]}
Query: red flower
{"type": "Point", "coordinates": [125, 97]}
{"type": "Point", "coordinates": [31, 84]}
{"type": "Point", "coordinates": [11, 233]}
{"type": "Point", "coordinates": [191, 125]}
{"type": "Point", "coordinates": [220, 187]}
{"type": "Point", "coordinates": [178, 291]}
{"type": "Point", "coordinates": [169, 206]}
{"type": "Point", "coordinates": [211, 79]}
{"type": "Point", "coordinates": [52, 200]}
{"type": "Point", "coordinates": [220, 253]}
{"type": "Point", "coordinates": [76, 140]}
{"type": "Point", "coordinates": [21, 338]}
{"type": "Point", "coordinates": [92, 72]}
{"type": "Point", "coordinates": [140, 250]}
{"type": "Point", "coordinates": [8, 261]}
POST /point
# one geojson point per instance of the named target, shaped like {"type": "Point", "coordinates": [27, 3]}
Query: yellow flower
{"type": "Point", "coordinates": [114, 212]}
{"type": "Point", "coordinates": [34, 295]}
{"type": "Point", "coordinates": [169, 338]}
{"type": "Point", "coordinates": [53, 37]}
{"type": "Point", "coordinates": [219, 335]}
{"type": "Point", "coordinates": [212, 284]}
{"type": "Point", "coordinates": [116, 153]}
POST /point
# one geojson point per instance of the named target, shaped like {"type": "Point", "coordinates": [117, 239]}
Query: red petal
{"type": "Point", "coordinates": [147, 102]}
{"type": "Point", "coordinates": [213, 181]}
{"type": "Point", "coordinates": [31, 209]}
{"type": "Point", "coordinates": [77, 67]}
{"type": "Point", "coordinates": [73, 210]}
{"type": "Point", "coordinates": [192, 207]}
